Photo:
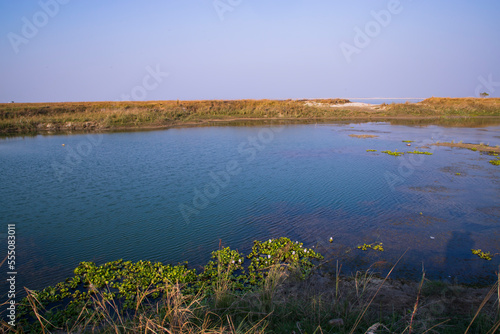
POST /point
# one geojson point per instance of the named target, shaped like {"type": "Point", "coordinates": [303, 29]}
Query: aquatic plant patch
{"type": "Point", "coordinates": [128, 285]}
{"type": "Point", "coordinates": [374, 246]}
{"type": "Point", "coordinates": [495, 162]}
{"type": "Point", "coordinates": [418, 152]}
{"type": "Point", "coordinates": [395, 153]}
{"type": "Point", "coordinates": [481, 254]}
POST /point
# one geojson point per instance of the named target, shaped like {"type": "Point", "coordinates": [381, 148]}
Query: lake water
{"type": "Point", "coordinates": [172, 195]}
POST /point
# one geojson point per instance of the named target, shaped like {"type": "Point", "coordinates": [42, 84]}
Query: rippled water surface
{"type": "Point", "coordinates": [172, 195]}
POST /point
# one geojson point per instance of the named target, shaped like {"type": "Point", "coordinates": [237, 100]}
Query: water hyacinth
{"type": "Point", "coordinates": [120, 280]}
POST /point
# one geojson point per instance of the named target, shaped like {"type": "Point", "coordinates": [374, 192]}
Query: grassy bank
{"type": "Point", "coordinates": [277, 288]}
{"type": "Point", "coordinates": [23, 118]}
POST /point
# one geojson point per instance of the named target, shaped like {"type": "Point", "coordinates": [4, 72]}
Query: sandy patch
{"type": "Point", "coordinates": [363, 136]}
{"type": "Point", "coordinates": [475, 147]}
{"type": "Point", "coordinates": [342, 105]}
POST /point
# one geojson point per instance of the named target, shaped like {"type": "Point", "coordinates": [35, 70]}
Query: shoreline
{"type": "Point", "coordinates": [429, 120]}
{"type": "Point", "coordinates": [17, 119]}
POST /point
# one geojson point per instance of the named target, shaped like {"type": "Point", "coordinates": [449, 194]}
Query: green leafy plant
{"type": "Point", "coordinates": [371, 150]}
{"type": "Point", "coordinates": [418, 152]}
{"type": "Point", "coordinates": [495, 162]}
{"type": "Point", "coordinates": [395, 153]}
{"type": "Point", "coordinates": [374, 246]}
{"type": "Point", "coordinates": [279, 251]}
{"type": "Point", "coordinates": [481, 254]}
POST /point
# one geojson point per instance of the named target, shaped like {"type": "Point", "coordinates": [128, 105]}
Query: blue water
{"type": "Point", "coordinates": [173, 195]}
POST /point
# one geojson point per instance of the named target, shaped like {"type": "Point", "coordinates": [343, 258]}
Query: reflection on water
{"type": "Point", "coordinates": [309, 182]}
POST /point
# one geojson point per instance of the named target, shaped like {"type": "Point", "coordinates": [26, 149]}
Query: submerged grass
{"type": "Point", "coordinates": [92, 116]}
{"type": "Point", "coordinates": [278, 291]}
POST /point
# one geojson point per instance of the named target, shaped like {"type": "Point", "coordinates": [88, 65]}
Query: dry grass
{"type": "Point", "coordinates": [363, 136]}
{"type": "Point", "coordinates": [90, 116]}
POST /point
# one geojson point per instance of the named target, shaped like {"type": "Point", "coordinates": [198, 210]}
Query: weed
{"type": "Point", "coordinates": [395, 153]}
{"type": "Point", "coordinates": [481, 254]}
{"type": "Point", "coordinates": [377, 247]}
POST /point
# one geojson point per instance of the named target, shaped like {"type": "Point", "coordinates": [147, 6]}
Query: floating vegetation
{"type": "Point", "coordinates": [493, 154]}
{"type": "Point", "coordinates": [495, 162]}
{"type": "Point", "coordinates": [473, 149]}
{"type": "Point", "coordinates": [395, 153]}
{"type": "Point", "coordinates": [374, 246]}
{"type": "Point", "coordinates": [481, 254]}
{"type": "Point", "coordinates": [458, 174]}
{"type": "Point", "coordinates": [371, 150]}
{"type": "Point", "coordinates": [419, 152]}
{"type": "Point", "coordinates": [408, 141]}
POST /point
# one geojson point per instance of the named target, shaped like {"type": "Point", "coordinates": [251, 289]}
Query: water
{"type": "Point", "coordinates": [103, 197]}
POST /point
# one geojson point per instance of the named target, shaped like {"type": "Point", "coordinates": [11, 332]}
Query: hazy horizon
{"type": "Point", "coordinates": [65, 51]}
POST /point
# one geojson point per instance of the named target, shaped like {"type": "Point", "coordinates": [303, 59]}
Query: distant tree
{"type": "Point", "coordinates": [484, 94]}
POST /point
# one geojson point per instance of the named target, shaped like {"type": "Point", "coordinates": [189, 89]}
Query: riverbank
{"type": "Point", "coordinates": [279, 287]}
{"type": "Point", "coordinates": [24, 118]}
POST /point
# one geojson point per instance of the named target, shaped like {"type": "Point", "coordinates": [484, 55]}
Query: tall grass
{"type": "Point", "coordinates": [89, 116]}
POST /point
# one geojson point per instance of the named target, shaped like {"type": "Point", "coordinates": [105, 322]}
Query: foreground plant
{"type": "Point", "coordinates": [127, 287]}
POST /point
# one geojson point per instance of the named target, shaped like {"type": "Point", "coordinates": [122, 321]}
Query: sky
{"type": "Point", "coordinates": [75, 50]}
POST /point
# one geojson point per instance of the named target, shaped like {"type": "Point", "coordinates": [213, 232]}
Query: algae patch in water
{"type": "Point", "coordinates": [374, 246]}
{"type": "Point", "coordinates": [481, 254]}
{"type": "Point", "coordinates": [395, 153]}
{"type": "Point", "coordinates": [419, 152]}
{"type": "Point", "coordinates": [495, 162]}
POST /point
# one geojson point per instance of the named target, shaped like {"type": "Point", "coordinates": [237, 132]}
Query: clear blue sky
{"type": "Point", "coordinates": [233, 49]}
